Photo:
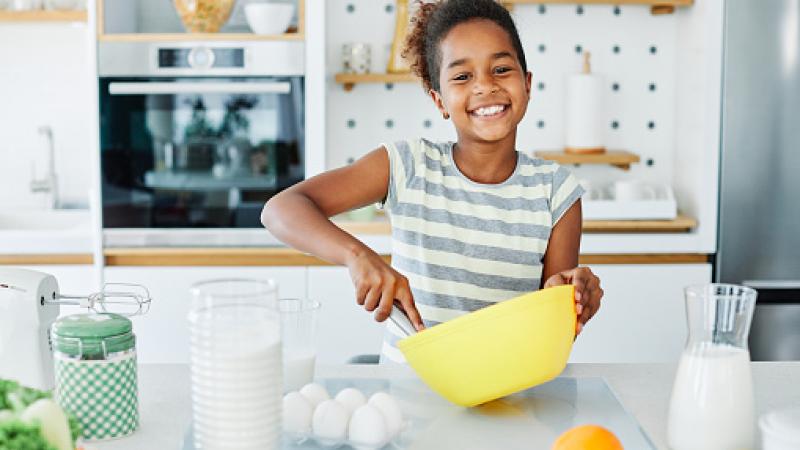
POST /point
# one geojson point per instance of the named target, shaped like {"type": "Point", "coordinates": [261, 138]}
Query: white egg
{"type": "Point", "coordinates": [368, 428]}
{"type": "Point", "coordinates": [351, 398]}
{"type": "Point", "coordinates": [329, 423]}
{"type": "Point", "coordinates": [315, 394]}
{"type": "Point", "coordinates": [297, 413]}
{"type": "Point", "coordinates": [391, 411]}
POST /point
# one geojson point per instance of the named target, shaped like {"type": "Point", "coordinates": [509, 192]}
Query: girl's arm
{"type": "Point", "coordinates": [561, 265]}
{"type": "Point", "coordinates": [299, 216]}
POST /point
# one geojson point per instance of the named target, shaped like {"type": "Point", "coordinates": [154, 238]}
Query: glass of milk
{"type": "Point", "coordinates": [712, 404]}
{"type": "Point", "coordinates": [299, 330]}
{"type": "Point", "coordinates": [236, 364]}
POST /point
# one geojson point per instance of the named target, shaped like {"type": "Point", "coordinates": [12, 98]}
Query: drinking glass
{"type": "Point", "coordinates": [299, 332]}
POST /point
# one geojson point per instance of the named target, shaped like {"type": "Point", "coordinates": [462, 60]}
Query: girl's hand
{"type": "Point", "coordinates": [588, 292]}
{"type": "Point", "coordinates": [378, 286]}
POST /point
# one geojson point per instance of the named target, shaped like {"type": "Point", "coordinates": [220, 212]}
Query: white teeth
{"type": "Point", "coordinates": [489, 110]}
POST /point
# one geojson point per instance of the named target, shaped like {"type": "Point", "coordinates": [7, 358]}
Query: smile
{"type": "Point", "coordinates": [490, 111]}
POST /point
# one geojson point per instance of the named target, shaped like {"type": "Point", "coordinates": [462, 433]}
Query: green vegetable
{"type": "Point", "coordinates": [53, 421]}
{"type": "Point", "coordinates": [18, 435]}
{"type": "Point", "coordinates": [13, 396]}
{"type": "Point", "coordinates": [30, 420]}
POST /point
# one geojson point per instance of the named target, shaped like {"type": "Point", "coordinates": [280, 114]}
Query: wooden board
{"type": "Point", "coordinates": [602, 2]}
{"type": "Point", "coordinates": [45, 259]}
{"type": "Point", "coordinates": [291, 35]}
{"type": "Point", "coordinates": [275, 256]}
{"type": "Point", "coordinates": [43, 16]}
{"type": "Point", "coordinates": [289, 257]}
{"type": "Point", "coordinates": [657, 7]}
{"type": "Point", "coordinates": [349, 80]}
{"type": "Point", "coordinates": [181, 37]}
{"type": "Point", "coordinates": [682, 224]}
{"type": "Point", "coordinates": [618, 158]}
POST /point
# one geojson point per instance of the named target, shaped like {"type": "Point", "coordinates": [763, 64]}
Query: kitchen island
{"type": "Point", "coordinates": [643, 389]}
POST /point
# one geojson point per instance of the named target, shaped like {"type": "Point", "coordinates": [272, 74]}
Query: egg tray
{"type": "Point", "coordinates": [302, 441]}
{"type": "Point", "coordinates": [333, 386]}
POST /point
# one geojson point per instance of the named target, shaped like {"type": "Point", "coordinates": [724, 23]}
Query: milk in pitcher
{"type": "Point", "coordinates": [712, 406]}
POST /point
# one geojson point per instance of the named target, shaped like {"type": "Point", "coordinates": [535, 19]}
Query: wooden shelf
{"type": "Point", "coordinates": [681, 224]}
{"type": "Point", "coordinates": [656, 6]}
{"type": "Point", "coordinates": [616, 158]}
{"type": "Point", "coordinates": [349, 80]}
{"type": "Point", "coordinates": [43, 16]}
{"type": "Point", "coordinates": [293, 34]}
{"type": "Point", "coordinates": [282, 256]}
{"type": "Point", "coordinates": [183, 37]}
{"type": "Point", "coordinates": [46, 259]}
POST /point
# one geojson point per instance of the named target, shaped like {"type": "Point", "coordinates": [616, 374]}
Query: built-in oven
{"type": "Point", "coordinates": [197, 135]}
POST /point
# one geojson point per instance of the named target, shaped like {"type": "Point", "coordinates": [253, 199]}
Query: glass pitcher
{"type": "Point", "coordinates": [712, 404]}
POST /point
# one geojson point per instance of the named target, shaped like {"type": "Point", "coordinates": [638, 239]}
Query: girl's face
{"type": "Point", "coordinates": [483, 87]}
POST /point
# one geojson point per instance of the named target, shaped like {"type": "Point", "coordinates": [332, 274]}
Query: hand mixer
{"type": "Point", "coordinates": [30, 302]}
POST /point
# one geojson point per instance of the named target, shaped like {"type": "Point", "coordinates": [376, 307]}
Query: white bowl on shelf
{"type": "Point", "coordinates": [269, 18]}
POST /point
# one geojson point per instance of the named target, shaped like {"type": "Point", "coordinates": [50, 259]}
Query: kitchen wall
{"type": "Point", "coordinates": [633, 50]}
{"type": "Point", "coordinates": [662, 82]}
{"type": "Point", "coordinates": [44, 81]}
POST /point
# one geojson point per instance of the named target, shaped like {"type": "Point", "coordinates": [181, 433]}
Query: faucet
{"type": "Point", "coordinates": [48, 184]}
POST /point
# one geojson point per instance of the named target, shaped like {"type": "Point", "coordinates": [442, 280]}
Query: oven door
{"type": "Point", "coordinates": [189, 152]}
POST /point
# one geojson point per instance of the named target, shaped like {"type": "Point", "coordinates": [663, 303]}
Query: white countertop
{"type": "Point", "coordinates": [643, 389]}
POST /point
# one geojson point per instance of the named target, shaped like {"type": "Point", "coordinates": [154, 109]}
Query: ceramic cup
{"type": "Point", "coordinates": [356, 58]}
{"type": "Point", "coordinates": [626, 191]}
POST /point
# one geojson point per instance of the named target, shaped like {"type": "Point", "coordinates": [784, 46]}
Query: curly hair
{"type": "Point", "coordinates": [433, 21]}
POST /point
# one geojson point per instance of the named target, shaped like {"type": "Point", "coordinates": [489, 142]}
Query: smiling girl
{"type": "Point", "coordinates": [474, 222]}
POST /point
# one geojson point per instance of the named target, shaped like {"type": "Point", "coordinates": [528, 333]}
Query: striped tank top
{"type": "Point", "coordinates": [465, 245]}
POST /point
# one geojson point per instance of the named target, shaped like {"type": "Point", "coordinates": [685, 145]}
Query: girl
{"type": "Point", "coordinates": [474, 222]}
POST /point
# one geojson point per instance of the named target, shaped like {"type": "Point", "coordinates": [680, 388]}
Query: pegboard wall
{"type": "Point", "coordinates": [634, 51]}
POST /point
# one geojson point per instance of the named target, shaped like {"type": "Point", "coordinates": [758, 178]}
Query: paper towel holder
{"type": "Point", "coordinates": [584, 149]}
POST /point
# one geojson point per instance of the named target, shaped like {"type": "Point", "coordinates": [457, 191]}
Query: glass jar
{"type": "Point", "coordinates": [95, 369]}
{"type": "Point", "coordinates": [712, 403]}
{"type": "Point", "coordinates": [236, 368]}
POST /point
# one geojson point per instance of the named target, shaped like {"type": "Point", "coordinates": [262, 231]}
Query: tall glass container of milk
{"type": "Point", "coordinates": [712, 405]}
{"type": "Point", "coordinates": [236, 364]}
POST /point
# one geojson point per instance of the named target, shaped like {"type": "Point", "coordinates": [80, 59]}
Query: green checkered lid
{"type": "Point", "coordinates": [92, 336]}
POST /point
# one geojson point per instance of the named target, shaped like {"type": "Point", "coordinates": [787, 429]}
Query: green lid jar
{"type": "Point", "coordinates": [95, 373]}
{"type": "Point", "coordinates": [92, 336]}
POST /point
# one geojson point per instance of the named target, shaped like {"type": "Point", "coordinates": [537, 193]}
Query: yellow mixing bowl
{"type": "Point", "coordinates": [496, 351]}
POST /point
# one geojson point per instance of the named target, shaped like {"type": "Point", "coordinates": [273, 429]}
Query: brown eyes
{"type": "Point", "coordinates": [466, 76]}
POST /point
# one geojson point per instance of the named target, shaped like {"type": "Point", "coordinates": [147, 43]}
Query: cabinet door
{"type": "Point", "coordinates": [642, 318]}
{"type": "Point", "coordinates": [345, 328]}
{"type": "Point", "coordinates": [162, 335]}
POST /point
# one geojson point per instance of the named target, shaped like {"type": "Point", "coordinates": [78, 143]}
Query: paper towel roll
{"type": "Point", "coordinates": [584, 109]}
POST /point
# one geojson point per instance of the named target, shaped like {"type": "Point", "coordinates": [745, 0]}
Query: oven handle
{"type": "Point", "coordinates": [772, 284]}
{"type": "Point", "coordinates": [158, 88]}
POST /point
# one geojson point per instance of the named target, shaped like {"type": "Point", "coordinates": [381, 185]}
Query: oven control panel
{"type": "Point", "coordinates": [201, 58]}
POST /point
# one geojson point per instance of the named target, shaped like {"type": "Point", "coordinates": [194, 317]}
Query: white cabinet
{"type": "Point", "coordinates": [642, 317]}
{"type": "Point", "coordinates": [345, 328]}
{"type": "Point", "coordinates": [162, 334]}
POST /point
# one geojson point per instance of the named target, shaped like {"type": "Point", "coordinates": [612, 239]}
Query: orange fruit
{"type": "Point", "coordinates": [587, 437]}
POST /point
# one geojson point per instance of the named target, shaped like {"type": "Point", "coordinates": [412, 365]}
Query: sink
{"type": "Point", "coordinates": [55, 220]}
{"type": "Point", "coordinates": [63, 231]}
